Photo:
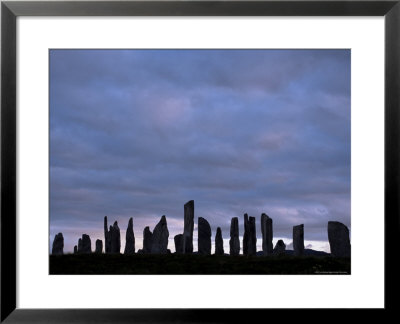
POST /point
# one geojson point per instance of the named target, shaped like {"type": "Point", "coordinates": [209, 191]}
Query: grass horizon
{"type": "Point", "coordinates": [181, 264]}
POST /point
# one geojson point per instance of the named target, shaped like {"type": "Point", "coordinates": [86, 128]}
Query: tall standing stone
{"type": "Point", "coordinates": [249, 238]}
{"type": "Point", "coordinates": [75, 249]}
{"type": "Point", "coordinates": [80, 245]}
{"type": "Point", "coordinates": [160, 237]}
{"type": "Point", "coordinates": [234, 242]}
{"type": "Point", "coordinates": [339, 239]}
{"type": "Point", "coordinates": [147, 240]}
{"type": "Point", "coordinates": [130, 238]}
{"type": "Point", "coordinates": [298, 240]}
{"type": "Point", "coordinates": [86, 244]}
{"type": "Point", "coordinates": [267, 234]}
{"type": "Point", "coordinates": [115, 239]}
{"type": "Point", "coordinates": [280, 248]}
{"type": "Point", "coordinates": [58, 244]}
{"type": "Point", "coordinates": [188, 227]}
{"type": "Point", "coordinates": [99, 247]}
{"type": "Point", "coordinates": [178, 239]}
{"type": "Point", "coordinates": [219, 243]}
{"type": "Point", "coordinates": [246, 235]}
{"type": "Point", "coordinates": [107, 237]}
{"type": "Point", "coordinates": [253, 236]}
{"type": "Point", "coordinates": [204, 236]}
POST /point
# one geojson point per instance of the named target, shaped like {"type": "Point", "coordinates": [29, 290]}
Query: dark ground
{"type": "Point", "coordinates": [143, 264]}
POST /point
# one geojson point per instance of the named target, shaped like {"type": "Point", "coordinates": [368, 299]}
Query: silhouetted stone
{"type": "Point", "coordinates": [80, 245]}
{"type": "Point", "coordinates": [115, 238]}
{"type": "Point", "coordinates": [58, 244]}
{"type": "Point", "coordinates": [110, 234]}
{"type": "Point", "coordinates": [267, 234]}
{"type": "Point", "coordinates": [75, 249]}
{"type": "Point", "coordinates": [178, 239]}
{"type": "Point", "coordinates": [298, 240]}
{"type": "Point", "coordinates": [130, 238]}
{"type": "Point", "coordinates": [99, 246]}
{"type": "Point", "coordinates": [219, 243]}
{"type": "Point", "coordinates": [339, 239]}
{"type": "Point", "coordinates": [86, 244]}
{"type": "Point", "coordinates": [234, 242]}
{"type": "Point", "coordinates": [188, 227]}
{"type": "Point", "coordinates": [147, 240]}
{"type": "Point", "coordinates": [249, 238]}
{"type": "Point", "coordinates": [204, 236]}
{"type": "Point", "coordinates": [140, 251]}
{"type": "Point", "coordinates": [246, 235]}
{"type": "Point", "coordinates": [107, 237]}
{"type": "Point", "coordinates": [160, 237]}
{"type": "Point", "coordinates": [280, 248]}
{"type": "Point", "coordinates": [253, 236]}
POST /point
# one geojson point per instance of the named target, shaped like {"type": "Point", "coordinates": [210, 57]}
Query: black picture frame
{"type": "Point", "coordinates": [10, 10]}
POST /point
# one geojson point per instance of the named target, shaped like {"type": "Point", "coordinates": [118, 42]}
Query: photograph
{"type": "Point", "coordinates": [199, 161]}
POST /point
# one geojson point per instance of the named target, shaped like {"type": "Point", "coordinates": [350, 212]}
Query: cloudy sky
{"type": "Point", "coordinates": [138, 133]}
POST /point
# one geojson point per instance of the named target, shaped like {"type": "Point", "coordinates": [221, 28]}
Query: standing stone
{"type": "Point", "coordinates": [234, 242]}
{"type": "Point", "coordinates": [99, 246]}
{"type": "Point", "coordinates": [58, 244]}
{"type": "Point", "coordinates": [75, 249]}
{"type": "Point", "coordinates": [188, 227]}
{"type": "Point", "coordinates": [178, 239]}
{"type": "Point", "coordinates": [253, 236]}
{"type": "Point", "coordinates": [204, 239]}
{"type": "Point", "coordinates": [86, 244]}
{"type": "Point", "coordinates": [249, 238]}
{"type": "Point", "coordinates": [160, 237]}
{"type": "Point", "coordinates": [115, 238]}
{"type": "Point", "coordinates": [298, 240]}
{"type": "Point", "coordinates": [246, 235]}
{"type": "Point", "coordinates": [107, 237]}
{"type": "Point", "coordinates": [280, 248]}
{"type": "Point", "coordinates": [80, 245]}
{"type": "Point", "coordinates": [267, 234]}
{"type": "Point", "coordinates": [130, 238]}
{"type": "Point", "coordinates": [219, 243]}
{"type": "Point", "coordinates": [339, 239]}
{"type": "Point", "coordinates": [147, 240]}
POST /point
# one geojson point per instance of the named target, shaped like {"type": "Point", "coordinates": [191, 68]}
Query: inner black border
{"type": "Point", "coordinates": [10, 10]}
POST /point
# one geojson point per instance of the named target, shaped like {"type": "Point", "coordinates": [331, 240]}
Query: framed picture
{"type": "Point", "coordinates": [277, 120]}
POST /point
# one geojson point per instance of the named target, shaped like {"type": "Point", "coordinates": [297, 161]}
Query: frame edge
{"type": "Point", "coordinates": [392, 150]}
{"type": "Point", "coordinates": [8, 162]}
